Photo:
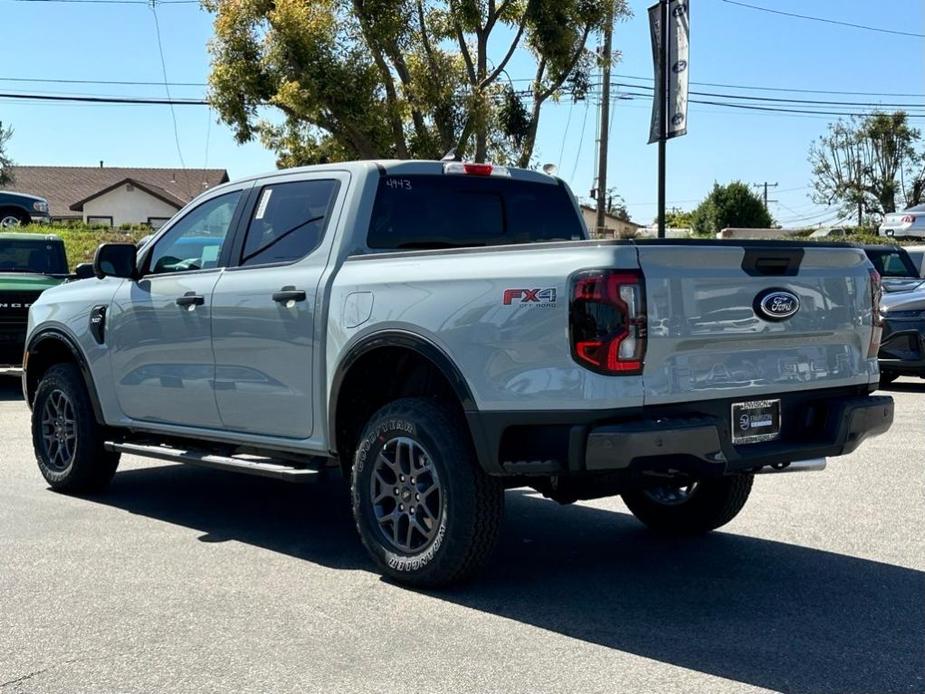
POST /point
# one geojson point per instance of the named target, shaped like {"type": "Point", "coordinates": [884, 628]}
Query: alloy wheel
{"type": "Point", "coordinates": [406, 494]}
{"type": "Point", "coordinates": [59, 430]}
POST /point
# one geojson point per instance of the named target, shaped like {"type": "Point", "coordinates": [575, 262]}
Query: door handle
{"type": "Point", "coordinates": [190, 299]}
{"type": "Point", "coordinates": [287, 294]}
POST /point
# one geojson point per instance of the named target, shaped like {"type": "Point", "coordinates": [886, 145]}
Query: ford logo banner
{"type": "Point", "coordinates": [776, 304]}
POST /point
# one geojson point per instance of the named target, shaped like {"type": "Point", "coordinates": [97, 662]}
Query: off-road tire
{"type": "Point", "coordinates": [712, 504]}
{"type": "Point", "coordinates": [91, 467]}
{"type": "Point", "coordinates": [472, 502]}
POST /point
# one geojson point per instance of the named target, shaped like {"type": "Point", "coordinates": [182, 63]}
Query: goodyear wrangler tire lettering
{"type": "Point", "coordinates": [426, 512]}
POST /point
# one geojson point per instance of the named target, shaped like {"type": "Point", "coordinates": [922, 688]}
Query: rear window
{"type": "Point", "coordinates": [38, 256]}
{"type": "Point", "coordinates": [437, 211]}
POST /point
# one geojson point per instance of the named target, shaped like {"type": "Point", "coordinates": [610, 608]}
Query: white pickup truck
{"type": "Point", "coordinates": [442, 331]}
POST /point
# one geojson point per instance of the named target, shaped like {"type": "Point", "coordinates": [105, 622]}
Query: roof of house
{"type": "Point", "coordinates": [156, 191]}
{"type": "Point", "coordinates": [613, 217]}
{"type": "Point", "coordinates": [67, 187]}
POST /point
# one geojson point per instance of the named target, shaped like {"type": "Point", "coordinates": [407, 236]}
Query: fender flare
{"type": "Point", "coordinates": [436, 356]}
{"type": "Point", "coordinates": [62, 338]}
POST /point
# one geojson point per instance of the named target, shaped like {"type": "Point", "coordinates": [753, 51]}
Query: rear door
{"type": "Point", "coordinates": [265, 306]}
{"type": "Point", "coordinates": [710, 337]}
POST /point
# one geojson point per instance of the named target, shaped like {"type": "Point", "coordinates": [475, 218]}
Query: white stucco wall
{"type": "Point", "coordinates": [127, 207]}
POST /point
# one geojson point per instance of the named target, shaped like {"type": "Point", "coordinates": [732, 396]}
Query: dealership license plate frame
{"type": "Point", "coordinates": [743, 426]}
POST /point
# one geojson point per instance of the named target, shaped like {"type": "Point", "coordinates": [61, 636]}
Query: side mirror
{"type": "Point", "coordinates": [115, 260]}
{"type": "Point", "coordinates": [84, 271]}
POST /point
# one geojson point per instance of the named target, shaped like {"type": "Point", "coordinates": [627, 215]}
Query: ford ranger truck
{"type": "Point", "coordinates": [441, 332]}
{"type": "Point", "coordinates": [29, 264]}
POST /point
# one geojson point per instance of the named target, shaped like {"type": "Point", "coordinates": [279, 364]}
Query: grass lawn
{"type": "Point", "coordinates": [81, 242]}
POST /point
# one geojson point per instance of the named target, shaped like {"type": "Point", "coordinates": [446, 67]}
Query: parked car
{"type": "Point", "coordinates": [902, 351]}
{"type": "Point", "coordinates": [897, 270]}
{"type": "Point", "coordinates": [442, 331]}
{"type": "Point", "coordinates": [917, 256]}
{"type": "Point", "coordinates": [833, 233]}
{"type": "Point", "coordinates": [908, 223]}
{"type": "Point", "coordinates": [19, 209]}
{"type": "Point", "coordinates": [29, 264]}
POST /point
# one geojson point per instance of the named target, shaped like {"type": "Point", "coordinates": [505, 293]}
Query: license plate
{"type": "Point", "coordinates": [889, 232]}
{"type": "Point", "coordinates": [755, 421]}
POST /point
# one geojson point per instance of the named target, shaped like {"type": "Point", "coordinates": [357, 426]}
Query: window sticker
{"type": "Point", "coordinates": [262, 207]}
{"type": "Point", "coordinates": [210, 254]}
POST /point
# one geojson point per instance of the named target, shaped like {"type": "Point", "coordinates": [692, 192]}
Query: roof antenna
{"type": "Point", "coordinates": [451, 156]}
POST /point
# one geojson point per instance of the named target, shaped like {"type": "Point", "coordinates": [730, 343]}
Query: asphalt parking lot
{"type": "Point", "coordinates": [182, 579]}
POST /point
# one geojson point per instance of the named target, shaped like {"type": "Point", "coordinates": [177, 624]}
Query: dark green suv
{"type": "Point", "coordinates": [29, 264]}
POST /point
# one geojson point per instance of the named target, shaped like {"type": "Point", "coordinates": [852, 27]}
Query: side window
{"type": "Point", "coordinates": [288, 222]}
{"type": "Point", "coordinates": [195, 241]}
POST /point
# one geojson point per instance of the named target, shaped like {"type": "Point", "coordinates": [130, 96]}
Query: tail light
{"type": "Point", "coordinates": [908, 219]}
{"type": "Point", "coordinates": [607, 321]}
{"type": "Point", "coordinates": [877, 328]}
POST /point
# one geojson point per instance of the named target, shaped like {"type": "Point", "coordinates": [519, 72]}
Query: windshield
{"type": "Point", "coordinates": [894, 263]}
{"type": "Point", "coordinates": [36, 256]}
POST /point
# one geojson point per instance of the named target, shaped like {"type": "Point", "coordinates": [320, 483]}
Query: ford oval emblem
{"type": "Point", "coordinates": [776, 304]}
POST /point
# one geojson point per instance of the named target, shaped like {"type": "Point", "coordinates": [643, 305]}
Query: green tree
{"type": "Point", "coordinates": [868, 164]}
{"type": "Point", "coordinates": [732, 205]}
{"type": "Point", "coordinates": [678, 218]}
{"type": "Point", "coordinates": [6, 164]}
{"type": "Point", "coordinates": [398, 78]}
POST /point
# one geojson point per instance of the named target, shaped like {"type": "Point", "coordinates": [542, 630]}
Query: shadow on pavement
{"type": "Point", "coordinates": [906, 386]}
{"type": "Point", "coordinates": [10, 387]}
{"type": "Point", "coordinates": [765, 613]}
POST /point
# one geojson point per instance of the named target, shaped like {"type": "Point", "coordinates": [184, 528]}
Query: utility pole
{"type": "Point", "coordinates": [603, 142]}
{"type": "Point", "coordinates": [766, 185]}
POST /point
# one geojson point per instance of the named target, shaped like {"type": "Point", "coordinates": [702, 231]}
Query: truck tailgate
{"type": "Point", "coordinates": [707, 338]}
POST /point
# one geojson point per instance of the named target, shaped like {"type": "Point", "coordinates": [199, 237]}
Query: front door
{"type": "Point", "coordinates": [159, 328]}
{"type": "Point", "coordinates": [264, 307]}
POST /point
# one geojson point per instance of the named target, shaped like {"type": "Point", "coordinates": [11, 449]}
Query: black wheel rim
{"type": "Point", "coordinates": [406, 494]}
{"type": "Point", "coordinates": [59, 430]}
{"type": "Point", "coordinates": [672, 495]}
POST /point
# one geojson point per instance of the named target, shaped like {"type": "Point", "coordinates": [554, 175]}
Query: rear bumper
{"type": "Point", "coordinates": [692, 438]}
{"type": "Point", "coordinates": [704, 442]}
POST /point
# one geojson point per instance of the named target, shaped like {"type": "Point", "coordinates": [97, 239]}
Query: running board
{"type": "Point", "coordinates": [263, 467]}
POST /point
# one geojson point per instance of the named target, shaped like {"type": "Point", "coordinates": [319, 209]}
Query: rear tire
{"type": "Point", "coordinates": [67, 439]}
{"type": "Point", "coordinates": [425, 510]}
{"type": "Point", "coordinates": [708, 505]}
{"type": "Point", "coordinates": [886, 378]}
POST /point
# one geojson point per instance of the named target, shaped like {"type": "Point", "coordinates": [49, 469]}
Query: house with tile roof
{"type": "Point", "coordinates": [114, 195]}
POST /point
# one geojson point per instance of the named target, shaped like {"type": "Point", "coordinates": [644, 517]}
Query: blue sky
{"type": "Point", "coordinates": [730, 45]}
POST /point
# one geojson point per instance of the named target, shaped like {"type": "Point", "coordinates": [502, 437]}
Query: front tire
{"type": "Point", "coordinates": [13, 219]}
{"type": "Point", "coordinates": [67, 439]}
{"type": "Point", "coordinates": [693, 509]}
{"type": "Point", "coordinates": [425, 510]}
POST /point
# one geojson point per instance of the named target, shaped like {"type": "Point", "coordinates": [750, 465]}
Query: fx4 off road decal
{"type": "Point", "coordinates": [530, 297]}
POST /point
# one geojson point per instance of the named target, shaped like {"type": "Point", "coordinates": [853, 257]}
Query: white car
{"type": "Point", "coordinates": [909, 222]}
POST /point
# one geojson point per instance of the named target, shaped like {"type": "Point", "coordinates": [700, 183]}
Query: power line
{"type": "Point", "coordinates": [104, 99]}
{"type": "Point", "coordinates": [173, 114]}
{"type": "Point", "coordinates": [114, 82]}
{"type": "Point", "coordinates": [827, 21]}
{"type": "Point", "coordinates": [746, 97]}
{"type": "Point", "coordinates": [764, 89]}
{"type": "Point", "coordinates": [581, 140]}
{"type": "Point", "coordinates": [117, 2]}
